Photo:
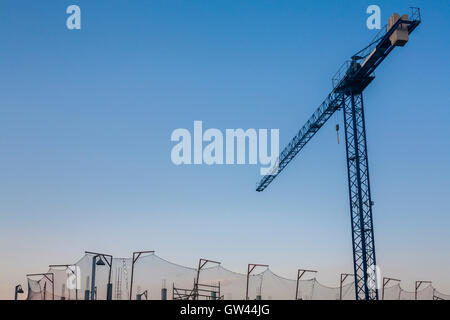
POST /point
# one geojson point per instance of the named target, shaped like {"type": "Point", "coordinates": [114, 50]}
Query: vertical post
{"type": "Point", "coordinates": [94, 260]}
{"type": "Point", "coordinates": [133, 260]}
{"type": "Point", "coordinates": [109, 287]}
{"type": "Point", "coordinates": [385, 282]}
{"type": "Point", "coordinates": [109, 291]}
{"type": "Point", "coordinates": [72, 268]}
{"type": "Point", "coordinates": [18, 289]}
{"type": "Point", "coordinates": [51, 280]}
{"type": "Point", "coordinates": [201, 264]}
{"type": "Point", "coordinates": [87, 291]}
{"type": "Point", "coordinates": [164, 291]}
{"type": "Point", "coordinates": [63, 292]}
{"type": "Point", "coordinates": [248, 276]}
{"type": "Point", "coordinates": [250, 268]}
{"type": "Point", "coordinates": [300, 273]}
{"type": "Point", "coordinates": [109, 262]}
{"type": "Point", "coordinates": [53, 285]}
{"type": "Point", "coordinates": [76, 280]}
{"type": "Point", "coordinates": [136, 256]}
{"type": "Point", "coordinates": [417, 286]}
{"type": "Point", "coordinates": [344, 276]}
{"type": "Point", "coordinates": [435, 297]}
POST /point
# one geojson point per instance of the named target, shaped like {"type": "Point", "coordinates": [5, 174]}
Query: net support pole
{"type": "Point", "coordinates": [135, 258]}
{"type": "Point", "coordinates": [344, 276]}
{"type": "Point", "coordinates": [74, 272]}
{"type": "Point", "coordinates": [105, 257]}
{"type": "Point", "coordinates": [417, 286]}
{"type": "Point", "coordinates": [201, 263]}
{"type": "Point", "coordinates": [386, 280]}
{"type": "Point", "coordinates": [50, 276]}
{"type": "Point", "coordinates": [94, 260]}
{"type": "Point", "coordinates": [250, 268]}
{"type": "Point", "coordinates": [300, 273]}
{"type": "Point", "coordinates": [18, 289]}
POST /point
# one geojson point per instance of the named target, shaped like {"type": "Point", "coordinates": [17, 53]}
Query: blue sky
{"type": "Point", "coordinates": [86, 118]}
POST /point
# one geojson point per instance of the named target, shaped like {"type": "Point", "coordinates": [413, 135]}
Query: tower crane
{"type": "Point", "coordinates": [347, 95]}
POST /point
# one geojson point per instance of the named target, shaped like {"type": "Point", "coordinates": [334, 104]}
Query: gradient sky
{"type": "Point", "coordinates": [86, 118]}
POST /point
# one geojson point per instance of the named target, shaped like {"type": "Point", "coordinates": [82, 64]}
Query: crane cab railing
{"type": "Point", "coordinates": [352, 71]}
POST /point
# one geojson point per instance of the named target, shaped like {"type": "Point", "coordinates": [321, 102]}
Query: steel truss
{"type": "Point", "coordinates": [359, 196]}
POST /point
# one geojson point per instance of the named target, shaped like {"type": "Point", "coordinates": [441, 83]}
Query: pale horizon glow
{"type": "Point", "coordinates": [86, 118]}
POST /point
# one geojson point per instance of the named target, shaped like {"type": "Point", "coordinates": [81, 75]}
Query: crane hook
{"type": "Point", "coordinates": [337, 132]}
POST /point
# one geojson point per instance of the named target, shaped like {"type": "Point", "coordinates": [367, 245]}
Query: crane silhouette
{"type": "Point", "coordinates": [347, 95]}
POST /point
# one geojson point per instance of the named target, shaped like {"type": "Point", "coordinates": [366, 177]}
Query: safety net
{"type": "Point", "coordinates": [100, 277]}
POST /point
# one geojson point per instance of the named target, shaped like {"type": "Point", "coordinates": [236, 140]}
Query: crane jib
{"type": "Point", "coordinates": [317, 120]}
{"type": "Point", "coordinates": [356, 76]}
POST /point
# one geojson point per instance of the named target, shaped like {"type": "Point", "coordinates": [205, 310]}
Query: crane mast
{"type": "Point", "coordinates": [347, 95]}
